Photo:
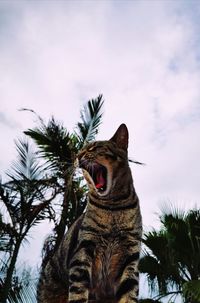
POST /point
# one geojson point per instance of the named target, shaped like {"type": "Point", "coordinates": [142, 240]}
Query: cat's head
{"type": "Point", "coordinates": [104, 163]}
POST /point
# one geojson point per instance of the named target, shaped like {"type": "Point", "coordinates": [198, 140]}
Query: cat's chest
{"type": "Point", "coordinates": [105, 267]}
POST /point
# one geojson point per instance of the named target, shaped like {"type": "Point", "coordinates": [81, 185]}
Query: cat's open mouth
{"type": "Point", "coordinates": [98, 173]}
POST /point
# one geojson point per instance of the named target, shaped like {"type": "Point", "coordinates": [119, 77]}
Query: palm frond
{"type": "Point", "coordinates": [149, 264]}
{"type": "Point", "coordinates": [6, 236]}
{"type": "Point", "coordinates": [154, 240]}
{"type": "Point", "coordinates": [26, 166]}
{"type": "Point", "coordinates": [41, 121]}
{"type": "Point", "coordinates": [193, 223]}
{"type": "Point", "coordinates": [10, 203]}
{"type": "Point", "coordinates": [167, 272]}
{"type": "Point", "coordinates": [191, 290]}
{"type": "Point", "coordinates": [27, 196]}
{"type": "Point", "coordinates": [184, 235]}
{"type": "Point", "coordinates": [148, 300]}
{"type": "Point", "coordinates": [176, 248]}
{"type": "Point", "coordinates": [91, 115]}
{"type": "Point", "coordinates": [55, 144]}
{"type": "Point", "coordinates": [23, 288]}
{"type": "Point", "coordinates": [169, 209]}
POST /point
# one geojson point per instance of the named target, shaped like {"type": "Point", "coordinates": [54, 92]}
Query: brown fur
{"type": "Point", "coordinates": [98, 258]}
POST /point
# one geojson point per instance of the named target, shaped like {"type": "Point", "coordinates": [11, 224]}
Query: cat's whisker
{"type": "Point", "coordinates": [136, 162]}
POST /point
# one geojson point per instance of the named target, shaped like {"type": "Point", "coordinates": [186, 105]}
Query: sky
{"type": "Point", "coordinates": [143, 56]}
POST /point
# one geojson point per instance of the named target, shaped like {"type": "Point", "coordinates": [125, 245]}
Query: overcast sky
{"type": "Point", "coordinates": [143, 56]}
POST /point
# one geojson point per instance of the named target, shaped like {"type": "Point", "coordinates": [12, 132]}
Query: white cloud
{"type": "Point", "coordinates": [142, 55]}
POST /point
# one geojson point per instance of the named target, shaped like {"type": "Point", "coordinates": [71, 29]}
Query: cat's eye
{"type": "Point", "coordinates": [111, 155]}
{"type": "Point", "coordinates": [108, 153]}
{"type": "Point", "coordinates": [92, 148]}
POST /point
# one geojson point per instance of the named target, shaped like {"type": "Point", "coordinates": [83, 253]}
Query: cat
{"type": "Point", "coordinates": [98, 257]}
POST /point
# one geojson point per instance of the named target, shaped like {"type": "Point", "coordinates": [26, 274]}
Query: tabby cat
{"type": "Point", "coordinates": [98, 257]}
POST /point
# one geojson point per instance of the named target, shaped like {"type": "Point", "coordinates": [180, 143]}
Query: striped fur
{"type": "Point", "coordinates": [98, 257]}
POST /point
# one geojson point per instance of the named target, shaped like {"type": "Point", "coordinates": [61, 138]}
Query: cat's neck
{"type": "Point", "coordinates": [118, 201]}
{"type": "Point", "coordinates": [113, 212]}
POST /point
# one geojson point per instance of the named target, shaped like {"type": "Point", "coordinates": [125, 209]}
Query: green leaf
{"type": "Point", "coordinates": [176, 249]}
{"type": "Point", "coordinates": [191, 290]}
{"type": "Point", "coordinates": [91, 115]}
{"type": "Point", "coordinates": [56, 145]}
{"type": "Point", "coordinates": [23, 288]}
{"type": "Point", "coordinates": [27, 165]}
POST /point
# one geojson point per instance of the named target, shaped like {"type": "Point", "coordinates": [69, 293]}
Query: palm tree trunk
{"type": "Point", "coordinates": [60, 229]}
{"type": "Point", "coordinates": [8, 280]}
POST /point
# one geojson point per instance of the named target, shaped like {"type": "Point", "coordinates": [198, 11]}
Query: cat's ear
{"type": "Point", "coordinates": [121, 137]}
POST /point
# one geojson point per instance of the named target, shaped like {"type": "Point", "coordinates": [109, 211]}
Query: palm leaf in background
{"type": "Point", "coordinates": [184, 240]}
{"type": "Point", "coordinates": [91, 117]}
{"type": "Point", "coordinates": [58, 148]}
{"type": "Point", "coordinates": [25, 198]}
{"type": "Point", "coordinates": [157, 263]}
{"type": "Point", "coordinates": [55, 144]}
{"type": "Point", "coordinates": [26, 166]}
{"type": "Point", "coordinates": [191, 290]}
{"type": "Point", "coordinates": [23, 286]}
{"type": "Point", "coordinates": [172, 255]}
{"type": "Point", "coordinates": [5, 231]}
{"type": "Point", "coordinates": [149, 301]}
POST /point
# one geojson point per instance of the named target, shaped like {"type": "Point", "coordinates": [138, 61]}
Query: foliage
{"type": "Point", "coordinates": [191, 290]}
{"type": "Point", "coordinates": [148, 301]}
{"type": "Point", "coordinates": [91, 116]}
{"type": "Point", "coordinates": [32, 186]}
{"type": "Point", "coordinates": [25, 198]}
{"type": "Point", "coordinates": [58, 148]}
{"type": "Point", "coordinates": [23, 285]}
{"type": "Point", "coordinates": [5, 231]}
{"type": "Point", "coordinates": [171, 258]}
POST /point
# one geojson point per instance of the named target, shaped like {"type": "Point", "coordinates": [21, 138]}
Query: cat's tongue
{"type": "Point", "coordinates": [100, 180]}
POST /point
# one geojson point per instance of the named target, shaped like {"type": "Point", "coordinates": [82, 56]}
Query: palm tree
{"type": "Point", "coordinates": [23, 285]}
{"type": "Point", "coordinates": [25, 198]}
{"type": "Point", "coordinates": [24, 195]}
{"type": "Point", "coordinates": [59, 149]}
{"type": "Point", "coordinates": [171, 258]}
{"type": "Point", "coordinates": [148, 301]}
